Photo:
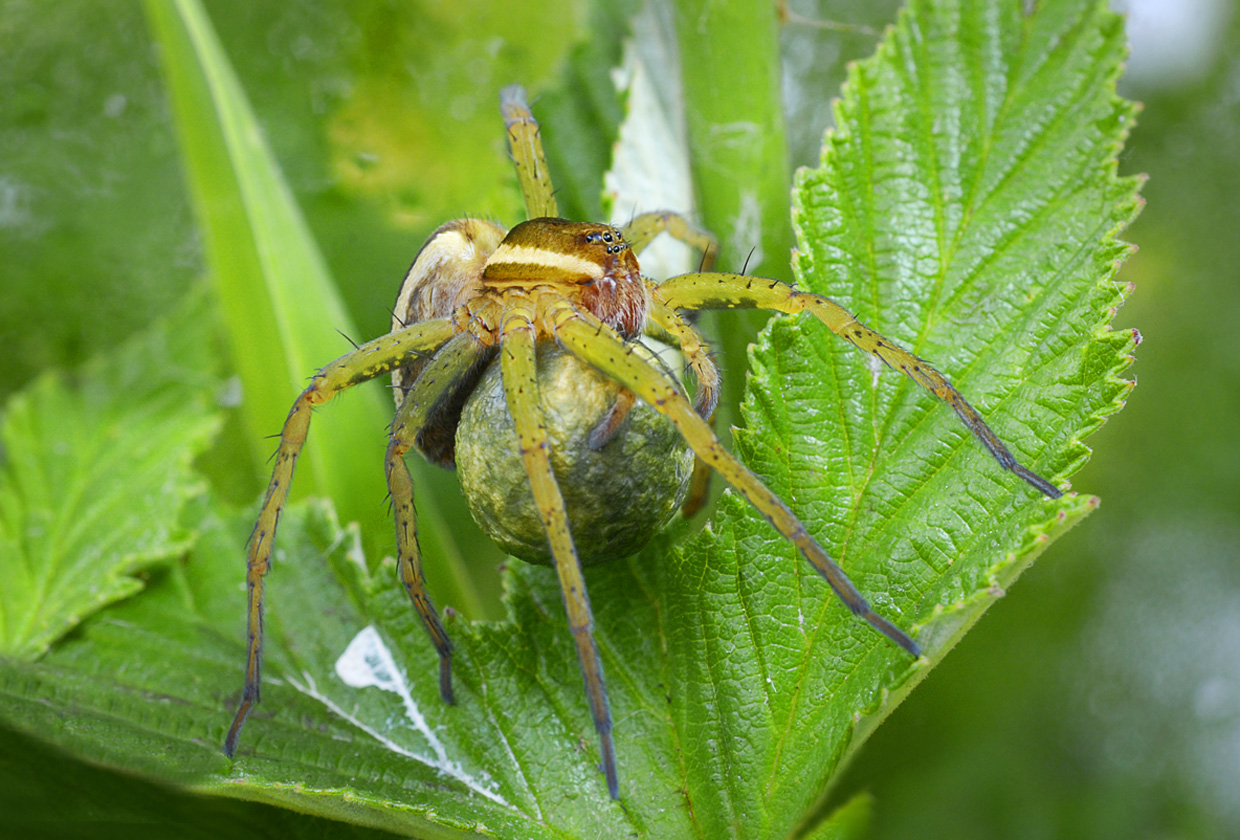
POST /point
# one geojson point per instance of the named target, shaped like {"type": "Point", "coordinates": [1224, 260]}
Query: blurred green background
{"type": "Point", "coordinates": [1101, 698]}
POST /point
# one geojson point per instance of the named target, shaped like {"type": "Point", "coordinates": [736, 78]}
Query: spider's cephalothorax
{"type": "Point", "coordinates": [590, 265]}
{"type": "Point", "coordinates": [467, 269]}
{"type": "Point", "coordinates": [478, 297]}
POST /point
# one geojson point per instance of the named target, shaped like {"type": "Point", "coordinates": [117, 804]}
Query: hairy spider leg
{"type": "Point", "coordinates": [599, 345]}
{"type": "Point", "coordinates": [645, 227]}
{"type": "Point", "coordinates": [639, 233]}
{"type": "Point", "coordinates": [527, 153]}
{"type": "Point", "coordinates": [699, 359]}
{"type": "Point", "coordinates": [738, 291]}
{"type": "Point", "coordinates": [448, 367]}
{"type": "Point", "coordinates": [697, 356]}
{"type": "Point", "coordinates": [609, 426]}
{"type": "Point", "coordinates": [520, 377]}
{"type": "Point", "coordinates": [666, 324]}
{"type": "Point", "coordinates": [372, 359]}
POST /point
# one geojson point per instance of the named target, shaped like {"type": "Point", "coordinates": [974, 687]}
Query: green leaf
{"type": "Point", "coordinates": [850, 820]}
{"type": "Point", "coordinates": [94, 472]}
{"type": "Point", "coordinates": [283, 312]}
{"type": "Point", "coordinates": [93, 229]}
{"type": "Point", "coordinates": [967, 206]}
{"type": "Point", "coordinates": [279, 303]}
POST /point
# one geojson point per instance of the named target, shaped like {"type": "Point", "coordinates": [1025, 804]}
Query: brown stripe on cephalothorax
{"type": "Point", "coordinates": [548, 251]}
{"type": "Point", "coordinates": [590, 264]}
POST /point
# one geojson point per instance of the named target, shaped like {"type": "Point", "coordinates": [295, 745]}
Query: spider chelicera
{"type": "Point", "coordinates": [476, 292]}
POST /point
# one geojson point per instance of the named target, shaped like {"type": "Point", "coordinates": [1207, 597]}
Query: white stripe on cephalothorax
{"type": "Point", "coordinates": [508, 254]}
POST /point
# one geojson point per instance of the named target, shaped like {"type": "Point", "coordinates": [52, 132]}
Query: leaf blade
{"type": "Point", "coordinates": [93, 479]}
{"type": "Point", "coordinates": [284, 314]}
{"type": "Point", "coordinates": [1007, 296]}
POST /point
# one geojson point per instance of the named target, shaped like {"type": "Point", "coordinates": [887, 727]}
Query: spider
{"type": "Point", "coordinates": [477, 293]}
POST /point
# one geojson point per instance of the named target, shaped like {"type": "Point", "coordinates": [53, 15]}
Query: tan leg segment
{"type": "Point", "coordinates": [521, 388]}
{"type": "Point", "coordinates": [738, 291]}
{"type": "Point", "coordinates": [527, 153]}
{"type": "Point", "coordinates": [374, 358]}
{"type": "Point", "coordinates": [456, 357]}
{"type": "Point", "coordinates": [644, 228]}
{"type": "Point", "coordinates": [597, 344]}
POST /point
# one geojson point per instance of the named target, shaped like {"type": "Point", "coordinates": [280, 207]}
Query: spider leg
{"type": "Point", "coordinates": [698, 357]}
{"type": "Point", "coordinates": [639, 233]}
{"type": "Point", "coordinates": [599, 345]}
{"type": "Point", "coordinates": [434, 383]}
{"type": "Point", "coordinates": [527, 153]}
{"type": "Point", "coordinates": [737, 291]}
{"type": "Point", "coordinates": [667, 325]}
{"type": "Point", "coordinates": [372, 359]}
{"type": "Point", "coordinates": [517, 357]}
{"type": "Point", "coordinates": [606, 429]}
{"type": "Point", "coordinates": [644, 228]}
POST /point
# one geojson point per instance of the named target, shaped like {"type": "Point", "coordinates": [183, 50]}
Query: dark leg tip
{"type": "Point", "coordinates": [445, 681]}
{"type": "Point", "coordinates": [1047, 489]}
{"type": "Point", "coordinates": [892, 632]}
{"type": "Point", "coordinates": [230, 742]}
{"type": "Point", "coordinates": [234, 731]}
{"type": "Point", "coordinates": [608, 764]}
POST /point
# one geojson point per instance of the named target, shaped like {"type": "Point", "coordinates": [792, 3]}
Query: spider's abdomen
{"type": "Point", "coordinates": [446, 273]}
{"type": "Point", "coordinates": [590, 264]}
